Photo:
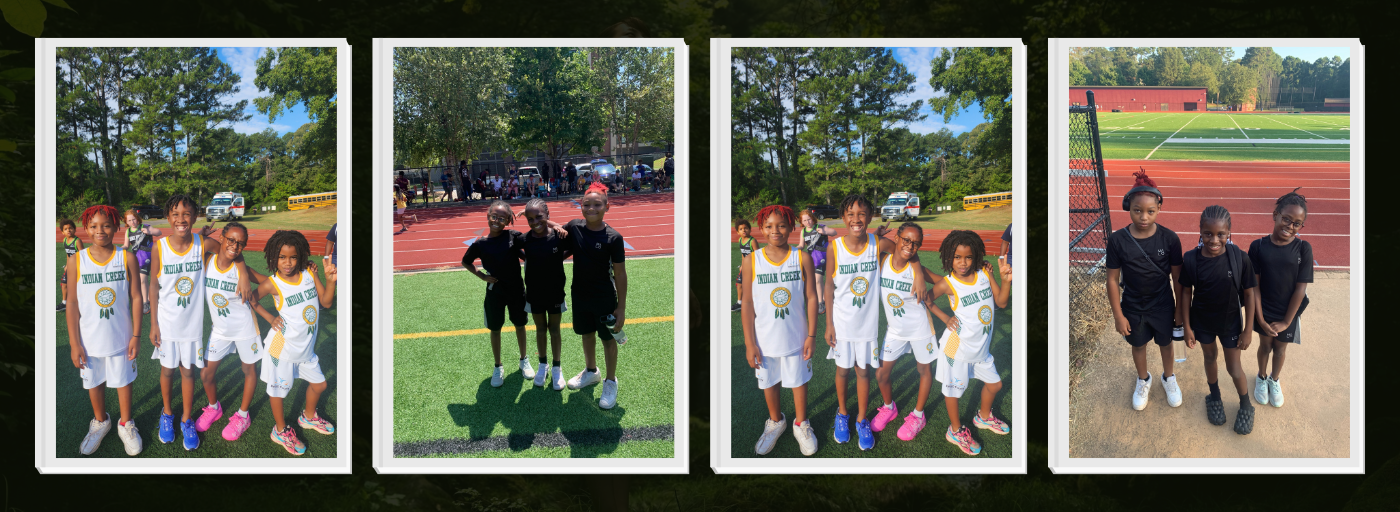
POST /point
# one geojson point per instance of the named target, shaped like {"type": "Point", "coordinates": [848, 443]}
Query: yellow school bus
{"type": "Point", "coordinates": [311, 201]}
{"type": "Point", "coordinates": [992, 200]}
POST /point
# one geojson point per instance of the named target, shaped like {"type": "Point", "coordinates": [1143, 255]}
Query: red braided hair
{"type": "Point", "coordinates": [776, 209]}
{"type": "Point", "coordinates": [1141, 180]}
{"type": "Point", "coordinates": [598, 187]}
{"type": "Point", "coordinates": [104, 210]}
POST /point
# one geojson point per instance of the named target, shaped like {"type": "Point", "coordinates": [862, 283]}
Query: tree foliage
{"type": "Point", "coordinates": [1262, 77]}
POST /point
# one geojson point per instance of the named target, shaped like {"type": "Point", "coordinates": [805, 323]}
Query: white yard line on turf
{"type": "Point", "coordinates": [1132, 125]}
{"type": "Point", "coordinates": [1300, 129]}
{"type": "Point", "coordinates": [1178, 130]}
{"type": "Point", "coordinates": [1237, 126]}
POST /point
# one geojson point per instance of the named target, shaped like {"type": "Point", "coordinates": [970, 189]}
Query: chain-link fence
{"type": "Point", "coordinates": [1089, 227]}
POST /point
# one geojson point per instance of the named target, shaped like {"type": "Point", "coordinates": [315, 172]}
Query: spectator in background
{"type": "Point", "coordinates": [446, 185]}
{"type": "Point", "coordinates": [1006, 251]}
{"type": "Point", "coordinates": [330, 244]}
{"type": "Point", "coordinates": [465, 172]}
{"type": "Point", "coordinates": [668, 171]}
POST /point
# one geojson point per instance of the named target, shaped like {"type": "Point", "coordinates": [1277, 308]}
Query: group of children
{"type": "Point", "coordinates": [1165, 295]}
{"type": "Point", "coordinates": [782, 292]}
{"type": "Point", "coordinates": [189, 272]}
{"type": "Point", "coordinates": [598, 291]}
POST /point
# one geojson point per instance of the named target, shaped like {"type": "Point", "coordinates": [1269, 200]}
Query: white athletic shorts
{"type": "Point", "coordinates": [280, 377]}
{"type": "Point", "coordinates": [925, 350]}
{"type": "Point", "coordinates": [956, 378]}
{"type": "Point", "coordinates": [852, 354]}
{"type": "Point", "coordinates": [790, 371]}
{"type": "Point", "coordinates": [174, 354]}
{"type": "Point", "coordinates": [249, 350]}
{"type": "Point", "coordinates": [115, 371]}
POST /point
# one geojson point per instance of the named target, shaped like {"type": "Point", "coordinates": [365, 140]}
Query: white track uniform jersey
{"type": "Point", "coordinates": [300, 309]}
{"type": "Point", "coordinates": [104, 303]}
{"type": "Point", "coordinates": [907, 325]}
{"type": "Point", "coordinates": [975, 308]}
{"type": "Point", "coordinates": [779, 303]}
{"type": "Point", "coordinates": [181, 298]}
{"type": "Point", "coordinates": [857, 281]}
{"type": "Point", "coordinates": [234, 327]}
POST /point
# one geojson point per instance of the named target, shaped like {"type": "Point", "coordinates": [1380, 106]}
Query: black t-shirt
{"type": "Point", "coordinates": [500, 256]}
{"type": "Point", "coordinates": [1215, 304]}
{"type": "Point", "coordinates": [138, 240]}
{"type": "Point", "coordinates": [544, 267]}
{"type": "Point", "coordinates": [812, 241]}
{"type": "Point", "coordinates": [1280, 269]}
{"type": "Point", "coordinates": [1146, 278]}
{"type": "Point", "coordinates": [594, 254]}
{"type": "Point", "coordinates": [1007, 236]}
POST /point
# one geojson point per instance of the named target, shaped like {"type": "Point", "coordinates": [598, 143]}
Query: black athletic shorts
{"type": "Point", "coordinates": [1293, 334]}
{"type": "Point", "coordinates": [1208, 338]}
{"type": "Point", "coordinates": [1150, 326]}
{"type": "Point", "coordinates": [589, 313]}
{"type": "Point", "coordinates": [498, 303]}
{"type": "Point", "coordinates": [543, 307]}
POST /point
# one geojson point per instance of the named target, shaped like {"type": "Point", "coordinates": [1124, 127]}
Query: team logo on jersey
{"type": "Point", "coordinates": [930, 347]}
{"type": "Point", "coordinates": [106, 297]}
{"type": "Point", "coordinates": [985, 314]}
{"type": "Point", "coordinates": [254, 346]}
{"type": "Point", "coordinates": [858, 288]}
{"type": "Point", "coordinates": [895, 302]}
{"type": "Point", "coordinates": [780, 298]}
{"type": "Point", "coordinates": [598, 245]}
{"type": "Point", "coordinates": [222, 303]}
{"type": "Point", "coordinates": [309, 314]}
{"type": "Point", "coordinates": [1161, 252]}
{"type": "Point", "coordinates": [184, 286]}
{"type": "Point", "coordinates": [875, 352]}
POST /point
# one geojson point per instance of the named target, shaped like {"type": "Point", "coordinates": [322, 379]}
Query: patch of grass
{"type": "Point", "coordinates": [1135, 135]}
{"type": "Point", "coordinates": [442, 386]}
{"type": "Point", "coordinates": [75, 409]}
{"type": "Point", "coordinates": [318, 219]}
{"type": "Point", "coordinates": [655, 449]}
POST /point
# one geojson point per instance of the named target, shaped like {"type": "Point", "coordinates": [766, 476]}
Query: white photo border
{"type": "Point", "coordinates": [45, 215]}
{"type": "Point", "coordinates": [720, 151]}
{"type": "Point", "coordinates": [1058, 314]}
{"type": "Point", "coordinates": [384, 460]}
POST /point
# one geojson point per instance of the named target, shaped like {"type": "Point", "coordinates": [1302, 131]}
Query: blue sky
{"type": "Point", "coordinates": [918, 60]}
{"type": "Point", "coordinates": [1310, 53]}
{"type": "Point", "coordinates": [244, 62]}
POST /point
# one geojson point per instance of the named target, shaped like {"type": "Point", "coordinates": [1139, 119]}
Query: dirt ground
{"type": "Point", "coordinates": [1313, 422]}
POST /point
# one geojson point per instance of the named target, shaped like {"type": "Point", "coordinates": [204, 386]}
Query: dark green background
{"type": "Point", "coordinates": [360, 20]}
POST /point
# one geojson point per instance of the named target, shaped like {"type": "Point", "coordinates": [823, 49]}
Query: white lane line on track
{"type": "Point", "coordinates": [1297, 128]}
{"type": "Point", "coordinates": [1237, 125]}
{"type": "Point", "coordinates": [1164, 141]}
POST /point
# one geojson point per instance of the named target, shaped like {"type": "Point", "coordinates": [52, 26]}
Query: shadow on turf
{"type": "Point", "coordinates": [541, 410]}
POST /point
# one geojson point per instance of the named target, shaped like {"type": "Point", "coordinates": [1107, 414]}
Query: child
{"type": "Point", "coordinates": [908, 328]}
{"type": "Point", "coordinates": [103, 330]}
{"type": "Point", "coordinates": [598, 291]}
{"type": "Point", "coordinates": [500, 253]}
{"type": "Point", "coordinates": [234, 329]}
{"type": "Point", "coordinates": [814, 242]}
{"type": "Point", "coordinates": [290, 345]}
{"type": "Point", "coordinates": [545, 253]}
{"type": "Point", "coordinates": [1148, 257]}
{"type": "Point", "coordinates": [852, 330]}
{"type": "Point", "coordinates": [139, 239]}
{"type": "Point", "coordinates": [779, 331]}
{"type": "Point", "coordinates": [1223, 281]}
{"type": "Point", "coordinates": [973, 296]}
{"type": "Point", "coordinates": [1284, 267]}
{"type": "Point", "coordinates": [177, 314]}
{"type": "Point", "coordinates": [71, 246]}
{"type": "Point", "coordinates": [746, 245]}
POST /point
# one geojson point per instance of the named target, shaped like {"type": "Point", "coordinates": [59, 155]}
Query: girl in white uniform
{"type": "Point", "coordinates": [290, 346]}
{"type": "Point", "coordinates": [103, 330]}
{"type": "Point", "coordinates": [177, 314]}
{"type": "Point", "coordinates": [780, 325]}
{"type": "Point", "coordinates": [908, 328]}
{"type": "Point", "coordinates": [964, 348]}
{"type": "Point", "coordinates": [234, 330]}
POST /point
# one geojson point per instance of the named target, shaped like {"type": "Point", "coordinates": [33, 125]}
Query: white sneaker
{"type": "Point", "coordinates": [498, 376]}
{"type": "Point", "coordinates": [96, 431]}
{"type": "Point", "coordinates": [584, 379]}
{"type": "Point", "coordinates": [1261, 390]}
{"type": "Point", "coordinates": [541, 375]}
{"type": "Point", "coordinates": [1140, 393]}
{"type": "Point", "coordinates": [526, 371]}
{"type": "Point", "coordinates": [131, 438]}
{"type": "Point", "coordinates": [1173, 390]}
{"type": "Point", "coordinates": [556, 374]}
{"type": "Point", "coordinates": [1275, 393]}
{"type": "Point", "coordinates": [771, 431]}
{"type": "Point", "coordinates": [609, 398]}
{"type": "Point", "coordinates": [806, 437]}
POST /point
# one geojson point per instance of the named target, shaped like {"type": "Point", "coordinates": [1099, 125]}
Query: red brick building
{"type": "Point", "coordinates": [1142, 98]}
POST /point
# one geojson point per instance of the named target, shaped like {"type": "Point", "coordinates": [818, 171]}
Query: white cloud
{"type": "Point", "coordinates": [917, 60]}
{"type": "Point", "coordinates": [244, 62]}
{"type": "Point", "coordinates": [258, 124]}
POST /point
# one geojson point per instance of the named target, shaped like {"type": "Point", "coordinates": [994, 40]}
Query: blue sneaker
{"type": "Point", "coordinates": [166, 431]}
{"type": "Point", "coordinates": [866, 437]}
{"type": "Point", "coordinates": [190, 431]}
{"type": "Point", "coordinates": [843, 428]}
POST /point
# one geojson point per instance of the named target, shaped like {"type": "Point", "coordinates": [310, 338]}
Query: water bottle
{"type": "Point", "coordinates": [610, 321]}
{"type": "Point", "coordinates": [1179, 343]}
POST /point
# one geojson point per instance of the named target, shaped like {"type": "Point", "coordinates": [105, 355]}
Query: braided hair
{"type": "Point", "coordinates": [98, 209]}
{"type": "Point", "coordinates": [961, 237]}
{"type": "Point", "coordinates": [1141, 180]}
{"type": "Point", "coordinates": [179, 199]}
{"type": "Point", "coordinates": [538, 204]}
{"type": "Point", "coordinates": [599, 188]}
{"type": "Point", "coordinates": [283, 238]}
{"type": "Point", "coordinates": [1290, 199]}
{"type": "Point", "coordinates": [504, 204]}
{"type": "Point", "coordinates": [1214, 213]}
{"type": "Point", "coordinates": [856, 199]}
{"type": "Point", "coordinates": [776, 209]}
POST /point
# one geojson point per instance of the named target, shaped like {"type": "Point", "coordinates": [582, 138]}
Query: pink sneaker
{"type": "Point", "coordinates": [883, 416]}
{"type": "Point", "coordinates": [237, 425]}
{"type": "Point", "coordinates": [963, 438]}
{"type": "Point", "coordinates": [318, 424]}
{"type": "Point", "coordinates": [210, 414]}
{"type": "Point", "coordinates": [288, 439]}
{"type": "Point", "coordinates": [911, 427]}
{"type": "Point", "coordinates": [993, 424]}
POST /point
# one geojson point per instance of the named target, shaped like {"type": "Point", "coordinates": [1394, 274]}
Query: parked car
{"type": "Point", "coordinates": [149, 211]}
{"type": "Point", "coordinates": [604, 169]}
{"type": "Point", "coordinates": [901, 206]}
{"type": "Point", "coordinates": [824, 211]}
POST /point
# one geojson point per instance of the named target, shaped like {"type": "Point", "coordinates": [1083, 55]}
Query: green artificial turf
{"type": "Point", "coordinates": [75, 408]}
{"type": "Point", "coordinates": [749, 410]}
{"type": "Point", "coordinates": [442, 386]}
{"type": "Point", "coordinates": [1134, 136]}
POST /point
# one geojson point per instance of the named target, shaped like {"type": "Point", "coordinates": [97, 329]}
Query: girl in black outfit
{"type": "Point", "coordinates": [1283, 264]}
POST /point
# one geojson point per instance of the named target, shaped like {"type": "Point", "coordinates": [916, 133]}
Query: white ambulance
{"type": "Point", "coordinates": [225, 206]}
{"type": "Point", "coordinates": [900, 206]}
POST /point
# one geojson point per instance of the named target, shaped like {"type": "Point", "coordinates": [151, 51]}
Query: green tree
{"type": "Point", "coordinates": [1171, 67]}
{"type": "Point", "coordinates": [449, 103]}
{"type": "Point", "coordinates": [552, 108]}
{"type": "Point", "coordinates": [307, 77]}
{"type": "Point", "coordinates": [980, 76]}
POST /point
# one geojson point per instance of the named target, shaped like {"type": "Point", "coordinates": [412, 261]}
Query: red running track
{"type": "Point", "coordinates": [1248, 190]}
{"type": "Point", "coordinates": [257, 238]}
{"type": "Point", "coordinates": [932, 238]}
{"type": "Point", "coordinates": [438, 239]}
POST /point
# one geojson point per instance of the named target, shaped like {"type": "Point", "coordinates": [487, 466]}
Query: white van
{"type": "Point", "coordinates": [225, 206]}
{"type": "Point", "coordinates": [900, 206]}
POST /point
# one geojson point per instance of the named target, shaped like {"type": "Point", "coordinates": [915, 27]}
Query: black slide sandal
{"type": "Point", "coordinates": [1215, 410]}
{"type": "Point", "coordinates": [1244, 420]}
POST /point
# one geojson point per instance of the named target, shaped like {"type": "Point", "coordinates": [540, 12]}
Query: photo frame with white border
{"type": "Point", "coordinates": [384, 460]}
{"type": "Point", "coordinates": [721, 56]}
{"type": "Point", "coordinates": [45, 213]}
{"type": "Point", "coordinates": [1058, 275]}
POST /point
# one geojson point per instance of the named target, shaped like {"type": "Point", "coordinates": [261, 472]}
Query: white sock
{"type": "Point", "coordinates": [918, 413]}
{"type": "Point", "coordinates": [889, 405]}
{"type": "Point", "coordinates": [217, 405]}
{"type": "Point", "coordinates": [243, 413]}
